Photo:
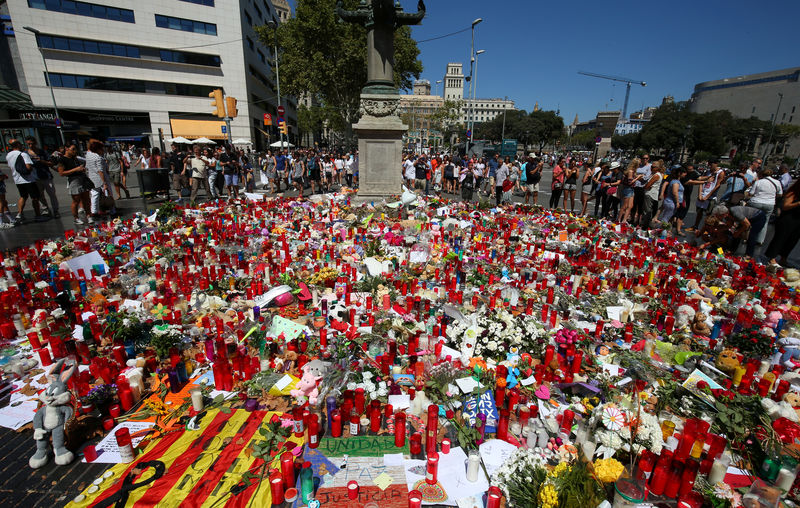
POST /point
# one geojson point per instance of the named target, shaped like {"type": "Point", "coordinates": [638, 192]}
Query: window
{"type": "Point", "coordinates": [248, 18]}
{"type": "Point", "coordinates": [754, 110]}
{"type": "Point", "coordinates": [59, 80]}
{"type": "Point", "coordinates": [209, 3]}
{"type": "Point", "coordinates": [86, 46]}
{"type": "Point", "coordinates": [259, 14]}
{"type": "Point", "coordinates": [189, 58]}
{"type": "Point", "coordinates": [250, 43]}
{"type": "Point", "coordinates": [185, 25]}
{"type": "Point", "coordinates": [84, 9]}
{"type": "Point", "coordinates": [261, 56]}
{"type": "Point", "coordinates": [793, 109]}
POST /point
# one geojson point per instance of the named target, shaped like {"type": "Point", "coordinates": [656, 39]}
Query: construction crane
{"type": "Point", "coordinates": [628, 83]}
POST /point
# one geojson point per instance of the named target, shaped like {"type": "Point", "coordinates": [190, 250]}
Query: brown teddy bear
{"type": "Point", "coordinates": [727, 361]}
{"type": "Point", "coordinates": [699, 325]}
{"type": "Point", "coordinates": [793, 399]}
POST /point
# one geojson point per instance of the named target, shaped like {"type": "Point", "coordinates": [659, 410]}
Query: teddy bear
{"type": "Point", "coordinates": [307, 386]}
{"type": "Point", "coordinates": [793, 399]}
{"type": "Point", "coordinates": [699, 325]}
{"type": "Point", "coordinates": [773, 318]}
{"type": "Point", "coordinates": [727, 361]}
{"type": "Point", "coordinates": [684, 316]}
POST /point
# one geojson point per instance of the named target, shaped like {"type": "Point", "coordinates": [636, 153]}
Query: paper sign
{"type": "Point", "coordinates": [614, 313]}
{"type": "Point", "coordinates": [383, 481]}
{"type": "Point", "coordinates": [86, 261]}
{"type": "Point", "coordinates": [486, 406]}
{"type": "Point", "coordinates": [399, 402]}
{"type": "Point", "coordinates": [691, 384]}
{"type": "Point", "coordinates": [107, 449]}
{"type": "Point", "coordinates": [528, 381]}
{"type": "Point", "coordinates": [495, 453]}
{"type": "Point", "coordinates": [562, 236]}
{"type": "Point", "coordinates": [14, 417]}
{"type": "Point", "coordinates": [393, 459]}
{"type": "Point", "coordinates": [467, 384]}
{"type": "Point", "coordinates": [255, 197]}
{"type": "Point", "coordinates": [287, 327]}
{"type": "Point", "coordinates": [418, 257]}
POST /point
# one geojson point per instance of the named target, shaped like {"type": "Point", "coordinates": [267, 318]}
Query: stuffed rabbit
{"type": "Point", "coordinates": [51, 418]}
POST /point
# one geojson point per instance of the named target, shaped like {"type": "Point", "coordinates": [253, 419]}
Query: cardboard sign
{"type": "Point", "coordinates": [485, 405]}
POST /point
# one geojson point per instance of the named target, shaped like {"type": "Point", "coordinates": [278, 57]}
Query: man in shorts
{"type": "Point", "coordinates": [24, 175]}
{"type": "Point", "coordinates": [533, 175]}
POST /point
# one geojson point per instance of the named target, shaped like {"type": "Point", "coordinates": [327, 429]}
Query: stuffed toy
{"type": "Point", "coordinates": [699, 325]}
{"type": "Point", "coordinates": [51, 418]}
{"type": "Point", "coordinates": [793, 399]}
{"type": "Point", "coordinates": [684, 316]}
{"type": "Point", "coordinates": [307, 386]}
{"type": "Point", "coordinates": [727, 361]}
{"type": "Point", "coordinates": [791, 351]}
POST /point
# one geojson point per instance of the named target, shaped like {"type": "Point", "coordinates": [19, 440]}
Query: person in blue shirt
{"type": "Point", "coordinates": [280, 167]}
{"type": "Point", "coordinates": [493, 165]}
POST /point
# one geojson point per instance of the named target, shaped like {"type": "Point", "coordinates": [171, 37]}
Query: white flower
{"type": "Point", "coordinates": [351, 385]}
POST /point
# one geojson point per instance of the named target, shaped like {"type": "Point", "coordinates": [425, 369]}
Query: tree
{"type": "Point", "coordinates": [584, 139]}
{"type": "Point", "coordinates": [327, 58]}
{"type": "Point", "coordinates": [667, 128]}
{"type": "Point", "coordinates": [545, 127]}
{"type": "Point", "coordinates": [627, 142]}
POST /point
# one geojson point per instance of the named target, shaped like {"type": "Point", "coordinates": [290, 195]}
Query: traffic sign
{"type": "Point", "coordinates": [469, 133]}
{"type": "Point", "coordinates": [58, 122]}
{"type": "Point", "coordinates": [598, 139]}
{"type": "Point", "coordinates": [280, 119]}
{"type": "Point", "coordinates": [267, 119]}
{"type": "Point", "coordinates": [224, 128]}
{"type": "Point", "coordinates": [281, 111]}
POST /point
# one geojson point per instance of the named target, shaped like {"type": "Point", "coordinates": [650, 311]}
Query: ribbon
{"type": "Point", "coordinates": [120, 498]}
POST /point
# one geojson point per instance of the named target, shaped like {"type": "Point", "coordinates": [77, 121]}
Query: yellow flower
{"type": "Point", "coordinates": [608, 470]}
{"type": "Point", "coordinates": [548, 496]}
{"type": "Point", "coordinates": [560, 468]}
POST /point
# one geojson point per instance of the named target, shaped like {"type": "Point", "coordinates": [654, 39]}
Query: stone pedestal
{"type": "Point", "coordinates": [380, 147]}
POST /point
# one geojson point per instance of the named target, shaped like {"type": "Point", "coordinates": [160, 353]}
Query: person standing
{"type": "Point", "coordinates": [570, 184]}
{"type": "Point", "coordinates": [787, 227]}
{"type": "Point", "coordinates": [643, 172]}
{"type": "Point", "coordinates": [689, 180]}
{"type": "Point", "coordinates": [763, 194]}
{"type": "Point", "coordinates": [280, 168]}
{"type": "Point", "coordinates": [197, 165]}
{"type": "Point", "coordinates": [231, 173]}
{"type": "Point", "coordinates": [78, 183]}
{"type": "Point", "coordinates": [114, 165]}
{"type": "Point", "coordinates": [708, 191]}
{"type": "Point", "coordinates": [626, 192]}
{"type": "Point", "coordinates": [155, 160]}
{"type": "Point", "coordinates": [298, 173]}
{"type": "Point", "coordinates": [314, 172]}
{"type": "Point", "coordinates": [587, 187]}
{"type": "Point", "coordinates": [96, 171]}
{"type": "Point", "coordinates": [533, 175]}
{"type": "Point", "coordinates": [557, 185]}
{"type": "Point", "coordinates": [24, 174]}
{"type": "Point", "coordinates": [409, 172]}
{"type": "Point", "coordinates": [501, 175]}
{"type": "Point", "coordinates": [652, 189]}
{"type": "Point", "coordinates": [672, 194]}
{"type": "Point", "coordinates": [6, 220]}
{"type": "Point", "coordinates": [493, 165]}
{"type": "Point", "coordinates": [179, 180]}
{"type": "Point", "coordinates": [44, 177]}
{"type": "Point", "coordinates": [600, 196]}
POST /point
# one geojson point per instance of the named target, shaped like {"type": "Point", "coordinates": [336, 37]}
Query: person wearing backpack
{"type": "Point", "coordinates": [763, 195]}
{"type": "Point", "coordinates": [24, 176]}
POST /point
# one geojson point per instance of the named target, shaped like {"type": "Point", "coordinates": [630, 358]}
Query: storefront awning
{"type": "Point", "coordinates": [10, 98]}
{"type": "Point", "coordinates": [193, 129]}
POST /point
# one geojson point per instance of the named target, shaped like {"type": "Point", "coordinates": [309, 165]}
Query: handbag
{"type": "Point", "coordinates": [508, 185]}
{"type": "Point", "coordinates": [611, 190]}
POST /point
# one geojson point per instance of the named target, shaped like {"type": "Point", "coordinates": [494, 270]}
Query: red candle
{"type": "Point", "coordinates": [549, 352]}
{"type": "Point", "coordinates": [90, 453]}
{"type": "Point", "coordinates": [669, 324]}
{"type": "Point", "coordinates": [493, 499]}
{"type": "Point", "coordinates": [432, 429]}
{"type": "Point", "coordinates": [566, 421]}
{"type": "Point", "coordinates": [336, 423]}
{"type": "Point", "coordinates": [598, 329]}
{"type": "Point", "coordinates": [125, 398]}
{"type": "Point", "coordinates": [416, 443]}
{"type": "Point", "coordinates": [576, 362]}
{"type": "Point", "coordinates": [313, 431]}
{"type": "Point", "coordinates": [544, 313]}
{"type": "Point", "coordinates": [33, 338]}
{"type": "Point", "coordinates": [108, 423]}
{"type": "Point", "coordinates": [276, 487]}
{"type": "Point", "coordinates": [123, 437]}
{"type": "Point", "coordinates": [445, 446]}
{"type": "Point", "coordinates": [524, 415]}
{"type": "Point", "coordinates": [287, 468]}
{"type": "Point", "coordinates": [659, 479]}
{"type": "Point", "coordinates": [415, 497]}
{"type": "Point", "coordinates": [44, 356]}
{"type": "Point", "coordinates": [502, 425]}
{"type": "Point", "coordinates": [352, 489]}
{"type": "Point", "coordinates": [432, 469]}
{"type": "Point", "coordinates": [323, 337]}
{"type": "Point", "coordinates": [499, 396]}
{"type": "Point", "coordinates": [674, 483]}
{"type": "Point", "coordinates": [400, 429]}
{"type": "Point", "coordinates": [375, 420]}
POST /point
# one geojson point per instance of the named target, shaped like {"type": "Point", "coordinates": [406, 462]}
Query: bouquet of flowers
{"type": "Point", "coordinates": [615, 424]}
{"type": "Point", "coordinates": [494, 334]}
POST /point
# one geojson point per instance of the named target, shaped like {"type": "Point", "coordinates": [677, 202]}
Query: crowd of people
{"type": "Point", "coordinates": [732, 205]}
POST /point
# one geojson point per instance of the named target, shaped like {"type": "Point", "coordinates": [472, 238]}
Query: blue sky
{"type": "Point", "coordinates": [534, 49]}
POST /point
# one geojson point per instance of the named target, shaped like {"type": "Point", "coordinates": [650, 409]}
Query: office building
{"type": "Point", "coordinates": [484, 110]}
{"type": "Point", "coordinates": [142, 71]}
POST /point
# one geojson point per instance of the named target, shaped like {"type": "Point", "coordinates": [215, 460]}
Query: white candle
{"type": "Point", "coordinates": [197, 400]}
{"type": "Point", "coordinates": [473, 464]}
{"type": "Point", "coordinates": [718, 470]}
{"type": "Point", "coordinates": [532, 437]}
{"type": "Point", "coordinates": [785, 479]}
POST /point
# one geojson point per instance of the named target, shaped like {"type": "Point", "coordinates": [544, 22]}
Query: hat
{"type": "Point", "coordinates": [615, 165]}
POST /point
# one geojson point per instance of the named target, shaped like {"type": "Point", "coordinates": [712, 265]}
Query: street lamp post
{"type": "Point", "coordinates": [772, 129]}
{"type": "Point", "coordinates": [470, 106]}
{"type": "Point", "coordinates": [274, 26]}
{"type": "Point", "coordinates": [36, 32]}
{"type": "Point", "coordinates": [438, 82]}
{"type": "Point", "coordinates": [474, 91]}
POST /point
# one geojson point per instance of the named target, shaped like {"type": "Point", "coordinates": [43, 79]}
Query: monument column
{"type": "Point", "coordinates": [380, 130]}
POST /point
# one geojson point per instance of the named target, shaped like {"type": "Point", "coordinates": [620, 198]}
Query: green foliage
{"type": "Point", "coordinates": [327, 58]}
{"type": "Point", "coordinates": [167, 211]}
{"type": "Point", "coordinates": [626, 142]}
{"type": "Point", "coordinates": [750, 343]}
{"type": "Point", "coordinates": [577, 487]}
{"type": "Point", "coordinates": [584, 139]}
{"type": "Point", "coordinates": [536, 127]}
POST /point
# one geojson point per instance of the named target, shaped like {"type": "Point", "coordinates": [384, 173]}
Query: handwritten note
{"type": "Point", "coordinates": [495, 452]}
{"type": "Point", "coordinates": [107, 449]}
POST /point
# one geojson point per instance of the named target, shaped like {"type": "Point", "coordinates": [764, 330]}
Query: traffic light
{"type": "Point", "coordinates": [230, 103]}
{"type": "Point", "coordinates": [283, 126]}
{"type": "Point", "coordinates": [218, 104]}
